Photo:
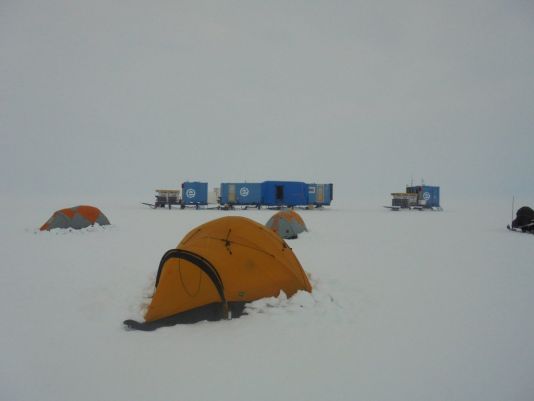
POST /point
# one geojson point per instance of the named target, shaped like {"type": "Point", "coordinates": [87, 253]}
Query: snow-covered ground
{"type": "Point", "coordinates": [406, 306]}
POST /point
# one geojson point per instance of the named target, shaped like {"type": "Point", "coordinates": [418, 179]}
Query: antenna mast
{"type": "Point", "coordinates": [513, 200]}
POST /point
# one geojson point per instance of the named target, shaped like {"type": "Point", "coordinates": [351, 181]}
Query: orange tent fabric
{"type": "Point", "coordinates": [218, 265]}
{"type": "Point", "coordinates": [75, 217]}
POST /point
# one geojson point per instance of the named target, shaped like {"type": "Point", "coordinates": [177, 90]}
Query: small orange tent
{"type": "Point", "coordinates": [75, 217]}
{"type": "Point", "coordinates": [216, 269]}
{"type": "Point", "coordinates": [287, 224]}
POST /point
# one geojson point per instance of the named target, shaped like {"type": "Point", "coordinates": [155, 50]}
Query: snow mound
{"type": "Point", "coordinates": [81, 231]}
{"type": "Point", "coordinates": [317, 302]}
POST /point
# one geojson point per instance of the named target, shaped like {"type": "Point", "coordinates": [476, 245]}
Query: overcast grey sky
{"type": "Point", "coordinates": [127, 96]}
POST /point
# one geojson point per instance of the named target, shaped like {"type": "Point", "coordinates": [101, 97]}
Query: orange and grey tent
{"type": "Point", "coordinates": [216, 269]}
{"type": "Point", "coordinates": [287, 224]}
{"type": "Point", "coordinates": [75, 217]}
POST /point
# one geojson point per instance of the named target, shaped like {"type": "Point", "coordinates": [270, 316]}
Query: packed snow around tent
{"type": "Point", "coordinates": [404, 306]}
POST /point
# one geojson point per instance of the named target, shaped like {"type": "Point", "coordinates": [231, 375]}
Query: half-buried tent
{"type": "Point", "coordinates": [75, 217]}
{"type": "Point", "coordinates": [216, 269]}
{"type": "Point", "coordinates": [287, 224]}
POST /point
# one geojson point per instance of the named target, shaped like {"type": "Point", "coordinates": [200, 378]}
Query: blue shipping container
{"type": "Point", "coordinates": [195, 193]}
{"type": "Point", "coordinates": [284, 193]}
{"type": "Point", "coordinates": [320, 194]}
{"type": "Point", "coordinates": [240, 194]}
{"type": "Point", "coordinates": [428, 196]}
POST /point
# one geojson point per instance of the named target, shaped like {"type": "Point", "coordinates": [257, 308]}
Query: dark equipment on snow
{"type": "Point", "coordinates": [524, 220]}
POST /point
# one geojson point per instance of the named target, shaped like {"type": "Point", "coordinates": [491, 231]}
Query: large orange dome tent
{"type": "Point", "coordinates": [216, 269]}
{"type": "Point", "coordinates": [75, 217]}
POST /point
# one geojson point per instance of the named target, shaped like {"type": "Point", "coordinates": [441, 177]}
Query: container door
{"type": "Point", "coordinates": [319, 197]}
{"type": "Point", "coordinates": [311, 194]}
{"type": "Point", "coordinates": [280, 193]}
{"type": "Point", "coordinates": [231, 193]}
